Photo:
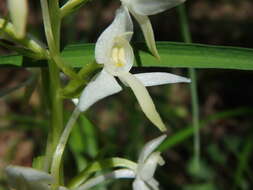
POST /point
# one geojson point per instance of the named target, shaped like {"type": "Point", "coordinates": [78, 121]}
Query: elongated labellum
{"type": "Point", "coordinates": [144, 100]}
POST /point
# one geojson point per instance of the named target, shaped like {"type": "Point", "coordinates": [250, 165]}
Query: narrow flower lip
{"type": "Point", "coordinates": [145, 101]}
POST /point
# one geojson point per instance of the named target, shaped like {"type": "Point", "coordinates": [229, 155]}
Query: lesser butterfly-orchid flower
{"type": "Point", "coordinates": [115, 53]}
{"type": "Point", "coordinates": [143, 174]}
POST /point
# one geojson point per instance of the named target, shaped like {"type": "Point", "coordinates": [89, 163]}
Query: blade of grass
{"type": "Point", "coordinates": [180, 55]}
{"type": "Point", "coordinates": [186, 34]}
{"type": "Point", "coordinates": [186, 133]}
{"type": "Point", "coordinates": [244, 158]}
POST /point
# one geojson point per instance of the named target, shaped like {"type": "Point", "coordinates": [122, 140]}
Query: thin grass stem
{"type": "Point", "coordinates": [194, 94]}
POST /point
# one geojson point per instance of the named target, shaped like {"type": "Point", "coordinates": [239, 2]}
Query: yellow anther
{"type": "Point", "coordinates": [118, 56]}
{"type": "Point", "coordinates": [121, 55]}
{"type": "Point", "coordinates": [115, 54]}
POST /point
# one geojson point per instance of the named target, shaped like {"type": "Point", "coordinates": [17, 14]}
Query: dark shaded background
{"type": "Point", "coordinates": [118, 119]}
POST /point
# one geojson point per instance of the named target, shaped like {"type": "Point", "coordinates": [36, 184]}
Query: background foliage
{"type": "Point", "coordinates": [117, 127]}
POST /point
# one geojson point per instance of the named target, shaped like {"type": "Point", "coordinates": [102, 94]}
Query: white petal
{"type": "Point", "coordinates": [138, 184]}
{"type": "Point", "coordinates": [121, 24]}
{"type": "Point", "coordinates": [151, 7]}
{"type": "Point", "coordinates": [117, 174]}
{"type": "Point", "coordinates": [158, 78]}
{"type": "Point", "coordinates": [150, 147]}
{"type": "Point", "coordinates": [147, 170]}
{"type": "Point", "coordinates": [102, 86]}
{"type": "Point", "coordinates": [148, 33]}
{"type": "Point", "coordinates": [18, 12]}
{"type": "Point", "coordinates": [153, 184]}
{"type": "Point", "coordinates": [29, 174]}
{"type": "Point", "coordinates": [75, 101]}
{"type": "Point", "coordinates": [144, 100]}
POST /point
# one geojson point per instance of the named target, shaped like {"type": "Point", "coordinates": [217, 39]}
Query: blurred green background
{"type": "Point", "coordinates": [117, 127]}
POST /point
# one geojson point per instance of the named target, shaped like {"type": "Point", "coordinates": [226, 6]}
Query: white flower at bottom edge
{"type": "Point", "coordinates": [25, 178]}
{"type": "Point", "coordinates": [147, 164]}
{"type": "Point", "coordinates": [115, 53]}
{"type": "Point", "coordinates": [141, 9]}
{"type": "Point", "coordinates": [143, 173]}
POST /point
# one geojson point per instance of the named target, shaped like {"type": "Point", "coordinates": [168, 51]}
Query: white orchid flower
{"type": "Point", "coordinates": [115, 53]}
{"type": "Point", "coordinates": [143, 173]}
{"type": "Point", "coordinates": [147, 163]}
{"type": "Point", "coordinates": [25, 178]}
{"type": "Point", "coordinates": [140, 9]}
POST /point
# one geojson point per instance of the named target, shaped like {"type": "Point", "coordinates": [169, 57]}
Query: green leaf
{"type": "Point", "coordinates": [174, 55]}
{"type": "Point", "coordinates": [186, 133]}
{"type": "Point", "coordinates": [11, 60]}
{"type": "Point", "coordinates": [99, 166]}
{"type": "Point", "coordinates": [83, 141]}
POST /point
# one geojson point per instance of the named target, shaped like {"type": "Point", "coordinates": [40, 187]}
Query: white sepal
{"type": "Point", "coordinates": [28, 173]}
{"type": "Point", "coordinates": [102, 86]}
{"type": "Point", "coordinates": [153, 184]}
{"type": "Point", "coordinates": [159, 78]}
{"type": "Point", "coordinates": [148, 33]}
{"type": "Point", "coordinates": [138, 184]}
{"type": "Point", "coordinates": [147, 169]}
{"type": "Point", "coordinates": [18, 13]}
{"type": "Point", "coordinates": [151, 7]}
{"type": "Point", "coordinates": [75, 101]}
{"type": "Point", "coordinates": [150, 147]}
{"type": "Point", "coordinates": [24, 178]}
{"type": "Point", "coordinates": [144, 100]}
{"type": "Point", "coordinates": [121, 24]}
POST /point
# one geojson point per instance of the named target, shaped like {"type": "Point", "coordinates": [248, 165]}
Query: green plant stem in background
{"type": "Point", "coordinates": [70, 6]}
{"type": "Point", "coordinates": [188, 131]}
{"type": "Point", "coordinates": [194, 95]}
{"type": "Point", "coordinates": [7, 28]}
{"type": "Point", "coordinates": [56, 124]}
{"type": "Point", "coordinates": [53, 36]}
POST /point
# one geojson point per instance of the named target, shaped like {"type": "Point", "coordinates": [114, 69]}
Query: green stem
{"type": "Point", "coordinates": [28, 41]}
{"type": "Point", "coordinates": [57, 158]}
{"type": "Point", "coordinates": [56, 113]}
{"type": "Point", "coordinates": [70, 6]}
{"type": "Point", "coordinates": [52, 29]}
{"type": "Point", "coordinates": [194, 95]}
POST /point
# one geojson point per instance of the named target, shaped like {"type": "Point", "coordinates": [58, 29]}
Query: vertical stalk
{"type": "Point", "coordinates": [52, 30]}
{"type": "Point", "coordinates": [194, 94]}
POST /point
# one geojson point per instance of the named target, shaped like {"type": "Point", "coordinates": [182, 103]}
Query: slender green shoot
{"type": "Point", "coordinates": [194, 95]}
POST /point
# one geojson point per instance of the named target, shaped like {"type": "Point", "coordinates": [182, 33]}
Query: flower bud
{"type": "Point", "coordinates": [18, 12]}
